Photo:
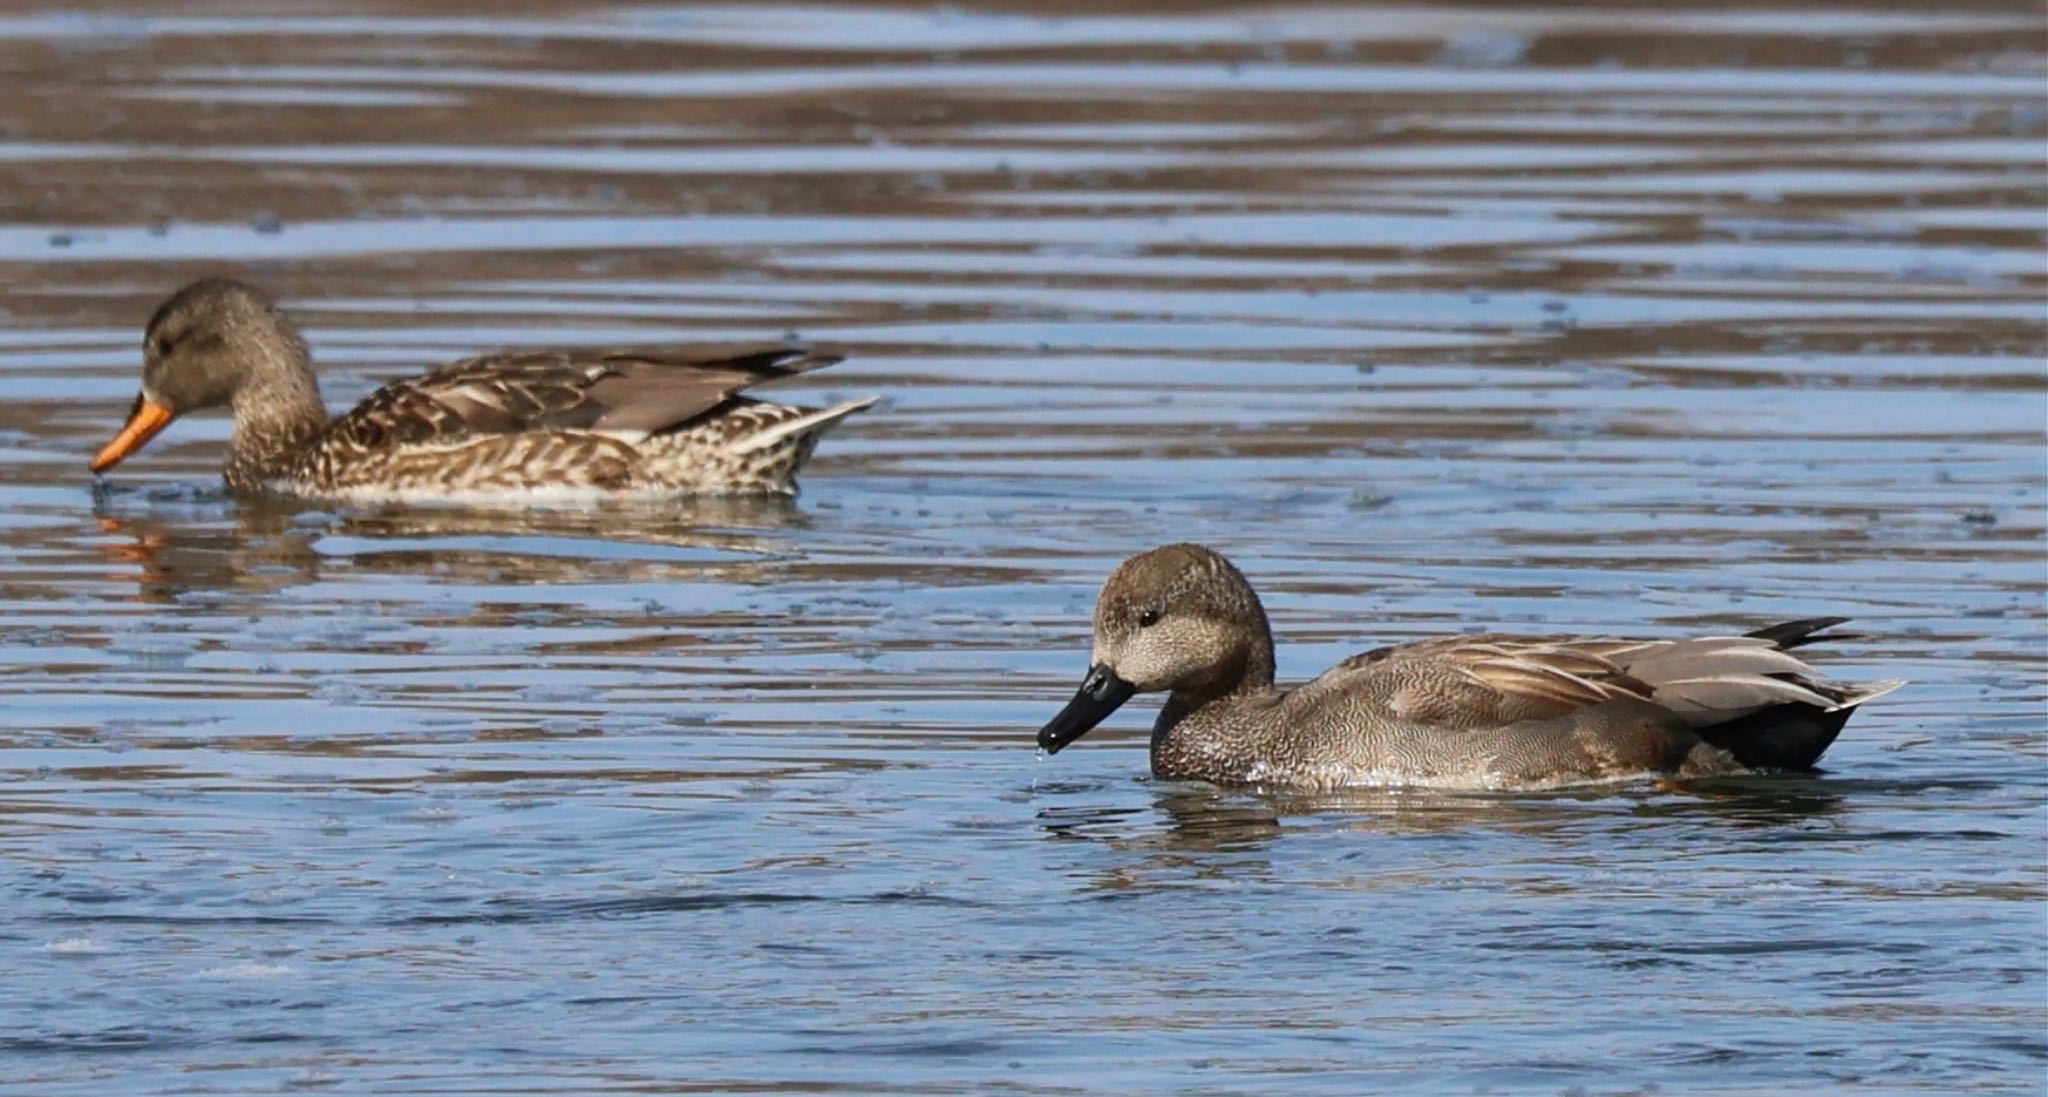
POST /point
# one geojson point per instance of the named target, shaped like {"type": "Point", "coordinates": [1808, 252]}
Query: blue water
{"type": "Point", "coordinates": [1657, 320]}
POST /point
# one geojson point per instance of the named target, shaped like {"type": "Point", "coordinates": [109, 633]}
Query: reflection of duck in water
{"type": "Point", "coordinates": [539, 426]}
{"type": "Point", "coordinates": [271, 544]}
{"type": "Point", "coordinates": [1188, 818]}
{"type": "Point", "coordinates": [255, 549]}
{"type": "Point", "coordinates": [1483, 711]}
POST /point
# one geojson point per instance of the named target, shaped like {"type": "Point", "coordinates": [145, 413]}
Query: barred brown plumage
{"type": "Point", "coordinates": [498, 427]}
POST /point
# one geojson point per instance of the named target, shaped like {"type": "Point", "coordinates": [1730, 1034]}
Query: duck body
{"type": "Point", "coordinates": [539, 426]}
{"type": "Point", "coordinates": [518, 426]}
{"type": "Point", "coordinates": [1486, 711]}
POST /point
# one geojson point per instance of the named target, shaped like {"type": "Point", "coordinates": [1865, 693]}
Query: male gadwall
{"type": "Point", "coordinates": [1481, 711]}
{"type": "Point", "coordinates": [520, 425]}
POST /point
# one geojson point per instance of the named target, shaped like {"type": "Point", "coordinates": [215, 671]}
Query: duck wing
{"type": "Point", "coordinates": [627, 392]}
{"type": "Point", "coordinates": [1498, 679]}
{"type": "Point", "coordinates": [1483, 681]}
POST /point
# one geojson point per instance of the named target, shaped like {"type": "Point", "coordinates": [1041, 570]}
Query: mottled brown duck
{"type": "Point", "coordinates": [511, 427]}
{"type": "Point", "coordinates": [1479, 711]}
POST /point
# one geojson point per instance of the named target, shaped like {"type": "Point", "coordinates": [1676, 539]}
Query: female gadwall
{"type": "Point", "coordinates": [1482, 711]}
{"type": "Point", "coordinates": [500, 427]}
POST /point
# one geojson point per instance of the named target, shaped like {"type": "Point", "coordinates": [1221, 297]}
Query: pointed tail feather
{"type": "Point", "coordinates": [1794, 634]}
{"type": "Point", "coordinates": [805, 362]}
{"type": "Point", "coordinates": [765, 363]}
{"type": "Point", "coordinates": [814, 423]}
{"type": "Point", "coordinates": [1851, 696]}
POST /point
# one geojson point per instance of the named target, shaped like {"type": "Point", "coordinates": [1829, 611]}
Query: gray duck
{"type": "Point", "coordinates": [1481, 711]}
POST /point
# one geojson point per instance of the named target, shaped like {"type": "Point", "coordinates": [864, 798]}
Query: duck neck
{"type": "Point", "coordinates": [1200, 734]}
{"type": "Point", "coordinates": [1247, 673]}
{"type": "Point", "coordinates": [277, 408]}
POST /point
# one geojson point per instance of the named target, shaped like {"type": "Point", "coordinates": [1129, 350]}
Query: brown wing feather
{"type": "Point", "coordinates": [1486, 680]}
{"type": "Point", "coordinates": [1469, 681]}
{"type": "Point", "coordinates": [628, 391]}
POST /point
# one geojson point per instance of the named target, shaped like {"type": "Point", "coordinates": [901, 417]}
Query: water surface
{"type": "Point", "coordinates": [1433, 318]}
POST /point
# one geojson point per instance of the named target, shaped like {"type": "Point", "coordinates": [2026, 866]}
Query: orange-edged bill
{"type": "Point", "coordinates": [144, 422]}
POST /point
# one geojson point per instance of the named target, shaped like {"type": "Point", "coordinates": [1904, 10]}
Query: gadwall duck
{"type": "Point", "coordinates": [519, 425]}
{"type": "Point", "coordinates": [1480, 711]}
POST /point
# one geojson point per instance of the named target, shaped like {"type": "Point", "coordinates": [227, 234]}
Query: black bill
{"type": "Point", "coordinates": [1100, 694]}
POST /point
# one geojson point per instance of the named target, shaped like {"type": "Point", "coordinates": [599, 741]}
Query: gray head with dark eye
{"type": "Point", "coordinates": [210, 338]}
{"type": "Point", "coordinates": [1180, 617]}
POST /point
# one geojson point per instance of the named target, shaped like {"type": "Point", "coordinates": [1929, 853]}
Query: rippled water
{"type": "Point", "coordinates": [1433, 318]}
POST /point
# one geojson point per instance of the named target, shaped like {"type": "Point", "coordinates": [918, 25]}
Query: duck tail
{"type": "Point", "coordinates": [1793, 733]}
{"type": "Point", "coordinates": [807, 426]}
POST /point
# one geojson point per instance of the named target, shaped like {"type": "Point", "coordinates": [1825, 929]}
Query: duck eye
{"type": "Point", "coordinates": [163, 346]}
{"type": "Point", "coordinates": [1148, 618]}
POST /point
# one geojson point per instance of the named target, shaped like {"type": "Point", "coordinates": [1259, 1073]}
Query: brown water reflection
{"type": "Point", "coordinates": [263, 545]}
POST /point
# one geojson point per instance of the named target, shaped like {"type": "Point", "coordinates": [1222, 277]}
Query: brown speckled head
{"type": "Point", "coordinates": [215, 342]}
{"type": "Point", "coordinates": [1179, 618]}
{"type": "Point", "coordinates": [212, 337]}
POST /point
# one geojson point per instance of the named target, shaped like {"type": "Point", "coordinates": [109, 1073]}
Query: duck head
{"type": "Point", "coordinates": [204, 346]}
{"type": "Point", "coordinates": [1179, 619]}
